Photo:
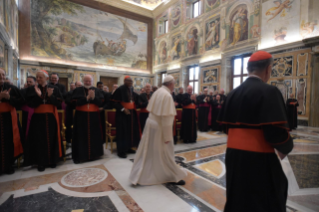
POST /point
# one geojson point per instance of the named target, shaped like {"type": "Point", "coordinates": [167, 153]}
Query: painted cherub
{"type": "Point", "coordinates": [281, 6]}
{"type": "Point", "coordinates": [309, 29]}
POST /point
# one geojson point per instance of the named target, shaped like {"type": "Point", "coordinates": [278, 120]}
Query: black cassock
{"type": "Point", "coordinates": [70, 106]}
{"type": "Point", "coordinates": [222, 98]}
{"type": "Point", "coordinates": [203, 112]}
{"type": "Point", "coordinates": [174, 125]}
{"type": "Point", "coordinates": [43, 146]}
{"type": "Point", "coordinates": [216, 106]}
{"type": "Point", "coordinates": [292, 113]}
{"type": "Point", "coordinates": [179, 99]}
{"type": "Point", "coordinates": [10, 143]}
{"type": "Point", "coordinates": [143, 102]}
{"type": "Point", "coordinates": [24, 112]}
{"type": "Point", "coordinates": [189, 128]}
{"type": "Point", "coordinates": [255, 118]}
{"type": "Point", "coordinates": [87, 143]}
{"type": "Point", "coordinates": [25, 115]}
{"type": "Point", "coordinates": [127, 126]}
{"type": "Point", "coordinates": [62, 90]}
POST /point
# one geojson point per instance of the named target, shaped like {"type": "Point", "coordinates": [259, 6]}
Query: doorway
{"type": "Point", "coordinates": [64, 81]}
{"type": "Point", "coordinates": [109, 82]}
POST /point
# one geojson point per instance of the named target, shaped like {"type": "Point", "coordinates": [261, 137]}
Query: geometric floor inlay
{"type": "Point", "coordinates": [215, 168]}
{"type": "Point", "coordinates": [306, 169]}
{"type": "Point", "coordinates": [54, 201]}
{"type": "Point", "coordinates": [84, 177]}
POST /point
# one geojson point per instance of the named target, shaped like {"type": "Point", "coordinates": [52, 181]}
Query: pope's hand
{"type": "Point", "coordinates": [37, 90]}
{"type": "Point", "coordinates": [281, 155]}
{"type": "Point", "coordinates": [166, 142]}
{"type": "Point", "coordinates": [50, 91]}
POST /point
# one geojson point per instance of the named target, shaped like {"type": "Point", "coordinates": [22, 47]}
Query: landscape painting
{"type": "Point", "coordinates": [68, 31]}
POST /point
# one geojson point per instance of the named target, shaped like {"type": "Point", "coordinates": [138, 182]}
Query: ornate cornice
{"type": "Point", "coordinates": [129, 7]}
{"type": "Point", "coordinates": [163, 7]}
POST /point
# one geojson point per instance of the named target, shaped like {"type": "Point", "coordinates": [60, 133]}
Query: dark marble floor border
{"type": "Point", "coordinates": [192, 201]}
{"type": "Point", "coordinates": [190, 166]}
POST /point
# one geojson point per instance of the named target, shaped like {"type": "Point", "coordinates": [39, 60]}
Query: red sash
{"type": "Point", "coordinates": [88, 108]}
{"type": "Point", "coordinates": [249, 140]}
{"type": "Point", "coordinates": [128, 105]}
{"type": "Point", "coordinates": [131, 106]}
{"type": "Point", "coordinates": [190, 106]}
{"type": "Point", "coordinates": [4, 108]}
{"type": "Point", "coordinates": [46, 108]}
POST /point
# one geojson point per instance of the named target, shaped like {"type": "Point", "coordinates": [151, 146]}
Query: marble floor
{"type": "Point", "coordinates": [103, 185]}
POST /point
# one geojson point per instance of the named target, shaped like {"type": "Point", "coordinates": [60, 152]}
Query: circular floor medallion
{"type": "Point", "coordinates": [84, 177]}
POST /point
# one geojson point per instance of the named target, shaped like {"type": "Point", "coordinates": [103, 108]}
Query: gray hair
{"type": "Point", "coordinates": [88, 75]}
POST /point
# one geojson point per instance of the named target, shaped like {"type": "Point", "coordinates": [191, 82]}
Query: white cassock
{"type": "Point", "coordinates": [154, 162]}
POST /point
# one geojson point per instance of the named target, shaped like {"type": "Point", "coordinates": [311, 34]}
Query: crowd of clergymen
{"type": "Point", "coordinates": [39, 139]}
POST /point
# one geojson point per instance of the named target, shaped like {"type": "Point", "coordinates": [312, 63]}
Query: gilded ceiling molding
{"type": "Point", "coordinates": [163, 7]}
{"type": "Point", "coordinates": [129, 7]}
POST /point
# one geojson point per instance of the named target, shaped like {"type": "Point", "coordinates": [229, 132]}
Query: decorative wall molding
{"type": "Point", "coordinates": [129, 7]}
{"type": "Point", "coordinates": [209, 63]}
{"type": "Point", "coordinates": [289, 46]}
{"type": "Point", "coordinates": [311, 41]}
{"type": "Point", "coordinates": [163, 7]}
{"type": "Point", "coordinates": [102, 72]}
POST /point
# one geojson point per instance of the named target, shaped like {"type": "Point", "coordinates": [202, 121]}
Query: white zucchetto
{"type": "Point", "coordinates": [168, 78]}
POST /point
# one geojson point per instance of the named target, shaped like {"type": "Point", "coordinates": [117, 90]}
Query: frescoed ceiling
{"type": "Point", "coordinates": [148, 4]}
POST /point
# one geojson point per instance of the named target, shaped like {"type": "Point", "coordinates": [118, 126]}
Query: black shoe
{"type": "Point", "coordinates": [181, 182]}
{"type": "Point", "coordinates": [53, 166]}
{"type": "Point", "coordinates": [122, 155]}
{"type": "Point", "coordinates": [41, 168]}
{"type": "Point", "coordinates": [10, 171]}
{"type": "Point", "coordinates": [131, 151]}
{"type": "Point", "coordinates": [76, 162]}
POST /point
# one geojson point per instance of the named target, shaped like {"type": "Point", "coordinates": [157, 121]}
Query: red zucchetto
{"type": "Point", "coordinates": [260, 55]}
{"type": "Point", "coordinates": [46, 74]}
{"type": "Point", "coordinates": [126, 77]}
